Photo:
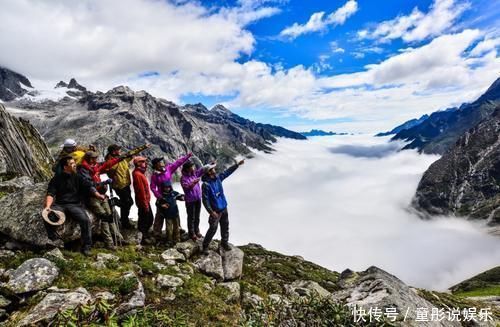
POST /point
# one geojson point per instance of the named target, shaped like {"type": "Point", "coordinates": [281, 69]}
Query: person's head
{"type": "Point", "coordinates": [140, 162]}
{"type": "Point", "coordinates": [69, 145]}
{"type": "Point", "coordinates": [188, 168]}
{"type": "Point", "coordinates": [114, 150]}
{"type": "Point", "coordinates": [166, 186]}
{"type": "Point", "coordinates": [68, 165]}
{"type": "Point", "coordinates": [91, 157]}
{"type": "Point", "coordinates": [212, 173]}
{"type": "Point", "coordinates": [158, 164]}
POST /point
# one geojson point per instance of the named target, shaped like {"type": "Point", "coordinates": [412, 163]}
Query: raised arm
{"type": "Point", "coordinates": [177, 163]}
{"type": "Point", "coordinates": [230, 170]}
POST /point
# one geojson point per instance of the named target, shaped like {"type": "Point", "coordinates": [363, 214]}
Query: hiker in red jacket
{"type": "Point", "coordinates": [91, 170]}
{"type": "Point", "coordinates": [142, 197]}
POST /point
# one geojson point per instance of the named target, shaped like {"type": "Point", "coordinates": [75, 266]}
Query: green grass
{"type": "Point", "coordinates": [493, 290]}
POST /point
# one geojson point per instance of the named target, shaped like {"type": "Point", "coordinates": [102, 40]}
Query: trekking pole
{"type": "Point", "coordinates": [118, 240]}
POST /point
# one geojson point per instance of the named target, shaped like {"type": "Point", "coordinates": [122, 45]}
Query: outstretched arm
{"type": "Point", "coordinates": [177, 163]}
{"type": "Point", "coordinates": [230, 170]}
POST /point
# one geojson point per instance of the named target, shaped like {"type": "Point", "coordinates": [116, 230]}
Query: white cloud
{"type": "Point", "coordinates": [484, 46]}
{"type": "Point", "coordinates": [318, 22]}
{"type": "Point", "coordinates": [345, 206]}
{"type": "Point", "coordinates": [335, 48]}
{"type": "Point", "coordinates": [418, 26]}
{"type": "Point", "coordinates": [97, 40]}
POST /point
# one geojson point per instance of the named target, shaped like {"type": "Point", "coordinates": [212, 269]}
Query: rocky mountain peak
{"type": "Point", "coordinates": [493, 92]}
{"type": "Point", "coordinates": [73, 84]}
{"type": "Point", "coordinates": [220, 109]}
{"type": "Point", "coordinates": [11, 84]}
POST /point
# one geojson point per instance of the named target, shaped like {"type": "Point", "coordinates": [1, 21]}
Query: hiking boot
{"type": "Point", "coordinates": [194, 238]}
{"type": "Point", "coordinates": [225, 246]}
{"type": "Point", "coordinates": [110, 246]}
{"type": "Point", "coordinates": [199, 235]}
{"type": "Point", "coordinates": [204, 251]}
{"type": "Point", "coordinates": [86, 252]}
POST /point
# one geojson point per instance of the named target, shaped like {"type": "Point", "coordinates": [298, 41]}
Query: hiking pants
{"type": "Point", "coordinates": [77, 212]}
{"type": "Point", "coordinates": [126, 202]}
{"type": "Point", "coordinates": [158, 223]}
{"type": "Point", "coordinates": [145, 220]}
{"type": "Point", "coordinates": [103, 212]}
{"type": "Point", "coordinates": [193, 217]}
{"type": "Point", "coordinates": [224, 228]}
{"type": "Point", "coordinates": [173, 229]}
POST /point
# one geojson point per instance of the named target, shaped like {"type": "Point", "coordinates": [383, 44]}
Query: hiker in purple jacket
{"type": "Point", "coordinates": [161, 174]}
{"type": "Point", "coordinates": [190, 182]}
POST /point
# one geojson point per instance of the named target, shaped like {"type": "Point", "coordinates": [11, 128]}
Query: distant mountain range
{"type": "Point", "coordinates": [442, 129]}
{"type": "Point", "coordinates": [318, 132]}
{"type": "Point", "coordinates": [132, 118]}
{"type": "Point", "coordinates": [406, 125]}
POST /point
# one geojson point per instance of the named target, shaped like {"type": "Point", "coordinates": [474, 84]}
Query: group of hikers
{"type": "Point", "coordinates": [77, 184]}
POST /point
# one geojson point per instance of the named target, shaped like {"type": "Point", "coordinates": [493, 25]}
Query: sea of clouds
{"type": "Point", "coordinates": [342, 202]}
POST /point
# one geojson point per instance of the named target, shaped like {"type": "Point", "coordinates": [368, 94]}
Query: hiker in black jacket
{"type": "Point", "coordinates": [71, 190]}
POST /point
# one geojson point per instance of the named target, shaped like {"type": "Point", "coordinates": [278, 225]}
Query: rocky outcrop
{"type": "Point", "coordinates": [54, 303]}
{"type": "Point", "coordinates": [33, 275]}
{"type": "Point", "coordinates": [232, 263]}
{"type": "Point", "coordinates": [136, 300]}
{"type": "Point", "coordinates": [211, 265]}
{"type": "Point", "coordinates": [22, 150]}
{"type": "Point", "coordinates": [406, 125]}
{"type": "Point", "coordinates": [23, 221]}
{"type": "Point", "coordinates": [11, 85]}
{"type": "Point", "coordinates": [441, 130]}
{"type": "Point", "coordinates": [465, 181]}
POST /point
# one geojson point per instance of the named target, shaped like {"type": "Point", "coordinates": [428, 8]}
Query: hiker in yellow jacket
{"type": "Point", "coordinates": [120, 174]}
{"type": "Point", "coordinates": [71, 148]}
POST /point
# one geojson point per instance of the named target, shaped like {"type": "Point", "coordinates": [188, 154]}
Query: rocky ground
{"type": "Point", "coordinates": [247, 286]}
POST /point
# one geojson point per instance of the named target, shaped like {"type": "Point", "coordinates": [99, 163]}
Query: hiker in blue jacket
{"type": "Point", "coordinates": [215, 203]}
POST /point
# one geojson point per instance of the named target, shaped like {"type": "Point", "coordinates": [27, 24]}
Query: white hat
{"type": "Point", "coordinates": [68, 143]}
{"type": "Point", "coordinates": [53, 217]}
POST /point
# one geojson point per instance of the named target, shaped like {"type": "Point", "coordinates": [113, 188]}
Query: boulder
{"type": "Point", "coordinates": [107, 257]}
{"type": "Point", "coordinates": [167, 281]}
{"type": "Point", "coordinates": [55, 254]}
{"type": "Point", "coordinates": [234, 291]}
{"type": "Point", "coordinates": [173, 254]}
{"type": "Point", "coordinates": [211, 265]}
{"type": "Point", "coordinates": [376, 288]}
{"type": "Point", "coordinates": [6, 254]}
{"type": "Point", "coordinates": [306, 288]}
{"type": "Point", "coordinates": [105, 296]}
{"type": "Point", "coordinates": [187, 248]}
{"type": "Point", "coordinates": [53, 303]}
{"type": "Point", "coordinates": [16, 184]}
{"type": "Point", "coordinates": [32, 275]}
{"type": "Point", "coordinates": [21, 219]}
{"type": "Point", "coordinates": [136, 300]}
{"type": "Point", "coordinates": [232, 263]}
{"type": "Point", "coordinates": [250, 299]}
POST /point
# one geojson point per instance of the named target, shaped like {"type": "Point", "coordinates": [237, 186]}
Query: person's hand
{"type": "Point", "coordinates": [190, 154]}
{"type": "Point", "coordinates": [215, 215]}
{"type": "Point", "coordinates": [196, 181]}
{"type": "Point", "coordinates": [241, 162]}
{"type": "Point", "coordinates": [148, 145]}
{"type": "Point", "coordinates": [166, 206]}
{"type": "Point", "coordinates": [92, 147]}
{"type": "Point", "coordinates": [46, 209]}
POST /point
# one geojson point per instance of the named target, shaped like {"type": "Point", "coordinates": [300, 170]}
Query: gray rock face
{"type": "Point", "coordinates": [23, 221]}
{"type": "Point", "coordinates": [22, 150]}
{"type": "Point", "coordinates": [32, 275]}
{"type": "Point", "coordinates": [55, 254]}
{"type": "Point", "coordinates": [52, 303]}
{"type": "Point", "coordinates": [232, 263]}
{"type": "Point", "coordinates": [234, 291]}
{"type": "Point", "coordinates": [134, 118]}
{"type": "Point", "coordinates": [172, 254]}
{"type": "Point", "coordinates": [136, 300]}
{"type": "Point", "coordinates": [306, 288]}
{"type": "Point", "coordinates": [167, 281]}
{"type": "Point", "coordinates": [211, 265]}
{"type": "Point", "coordinates": [466, 180]}
{"type": "Point", "coordinates": [11, 85]}
{"type": "Point", "coordinates": [377, 288]}
{"type": "Point", "coordinates": [16, 184]}
{"type": "Point", "coordinates": [187, 248]}
{"type": "Point", "coordinates": [4, 302]}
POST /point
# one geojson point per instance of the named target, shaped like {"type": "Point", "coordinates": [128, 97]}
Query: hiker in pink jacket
{"type": "Point", "coordinates": [161, 174]}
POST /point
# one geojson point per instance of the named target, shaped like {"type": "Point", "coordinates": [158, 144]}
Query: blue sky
{"type": "Point", "coordinates": [347, 66]}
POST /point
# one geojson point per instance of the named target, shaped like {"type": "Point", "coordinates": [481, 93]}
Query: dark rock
{"type": "Point", "coordinates": [61, 84]}
{"type": "Point", "coordinates": [465, 181]}
{"type": "Point", "coordinates": [22, 150]}
{"type": "Point", "coordinates": [11, 85]}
